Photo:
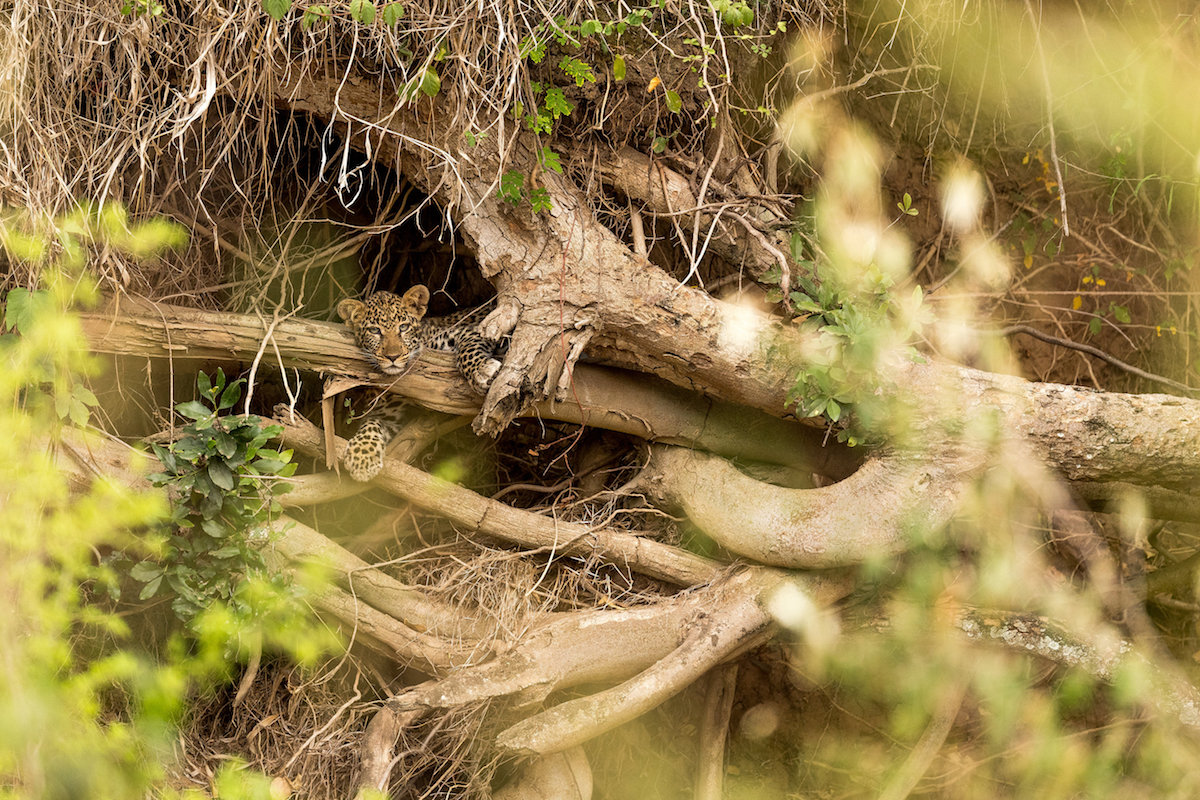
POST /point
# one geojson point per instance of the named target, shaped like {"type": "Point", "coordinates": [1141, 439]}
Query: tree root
{"type": "Point", "coordinates": [559, 776]}
{"type": "Point", "coordinates": [656, 650]}
{"type": "Point", "coordinates": [474, 512]}
{"type": "Point", "coordinates": [865, 515]}
{"type": "Point", "coordinates": [714, 730]}
{"type": "Point", "coordinates": [301, 544]}
{"type": "Point", "coordinates": [667, 192]}
{"type": "Point", "coordinates": [1103, 655]}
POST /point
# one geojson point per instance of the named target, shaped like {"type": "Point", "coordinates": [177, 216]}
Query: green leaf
{"type": "Point", "coordinates": [362, 11]}
{"type": "Point", "coordinates": [579, 71]}
{"type": "Point", "coordinates": [431, 83]}
{"type": "Point", "coordinates": [188, 448]}
{"type": "Point", "coordinates": [511, 183]}
{"type": "Point", "coordinates": [193, 409]}
{"type": "Point", "coordinates": [557, 103]}
{"type": "Point", "coordinates": [230, 396]}
{"type": "Point", "coordinates": [1094, 325]}
{"type": "Point", "coordinates": [277, 9]}
{"type": "Point", "coordinates": [392, 14]}
{"type": "Point", "coordinates": [150, 589]}
{"type": "Point", "coordinates": [79, 412]}
{"type": "Point", "coordinates": [833, 410]}
{"type": "Point", "coordinates": [313, 15]}
{"type": "Point", "coordinates": [203, 383]}
{"type": "Point", "coordinates": [660, 144]}
{"type": "Point", "coordinates": [145, 571]}
{"type": "Point", "coordinates": [674, 104]}
{"type": "Point", "coordinates": [539, 198]}
{"type": "Point", "coordinates": [16, 309]}
{"type": "Point", "coordinates": [22, 307]}
{"type": "Point", "coordinates": [84, 395]}
{"type": "Point", "coordinates": [590, 27]}
{"type": "Point", "coordinates": [1122, 314]}
{"type": "Point", "coordinates": [226, 445]}
{"type": "Point", "coordinates": [220, 474]}
{"type": "Point", "coordinates": [268, 466]}
{"type": "Point", "coordinates": [618, 68]}
{"type": "Point", "coordinates": [551, 161]}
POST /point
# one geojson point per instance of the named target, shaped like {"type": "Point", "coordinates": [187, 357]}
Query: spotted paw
{"type": "Point", "coordinates": [363, 458]}
{"type": "Point", "coordinates": [485, 375]}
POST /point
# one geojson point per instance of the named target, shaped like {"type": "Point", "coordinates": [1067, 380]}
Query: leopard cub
{"type": "Point", "coordinates": [392, 330]}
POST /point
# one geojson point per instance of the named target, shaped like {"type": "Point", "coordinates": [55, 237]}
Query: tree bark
{"type": "Point", "coordinates": [570, 281]}
{"type": "Point", "coordinates": [599, 397]}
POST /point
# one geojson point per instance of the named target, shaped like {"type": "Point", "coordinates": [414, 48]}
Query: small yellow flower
{"type": "Point", "coordinates": [1173, 330]}
{"type": "Point", "coordinates": [1077, 302]}
{"type": "Point", "coordinates": [1101, 282]}
{"type": "Point", "coordinates": [1028, 260]}
{"type": "Point", "coordinates": [1158, 330]}
{"type": "Point", "coordinates": [1087, 279]}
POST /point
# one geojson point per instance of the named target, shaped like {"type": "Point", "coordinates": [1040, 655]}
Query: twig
{"type": "Point", "coordinates": [1100, 354]}
{"type": "Point", "coordinates": [1062, 189]}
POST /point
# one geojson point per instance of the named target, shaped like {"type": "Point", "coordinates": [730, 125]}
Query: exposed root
{"type": "Point", "coordinates": [475, 512]}
{"type": "Point", "coordinates": [654, 652]}
{"type": "Point", "coordinates": [300, 544]}
{"type": "Point", "coordinates": [733, 620]}
{"type": "Point", "coordinates": [1104, 655]}
{"type": "Point", "coordinates": [558, 776]}
{"type": "Point", "coordinates": [714, 731]}
{"type": "Point", "coordinates": [865, 515]}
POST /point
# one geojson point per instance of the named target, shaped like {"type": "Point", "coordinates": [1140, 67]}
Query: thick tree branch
{"type": "Point", "coordinates": [563, 264]}
{"type": "Point", "coordinates": [598, 397]}
{"type": "Point", "coordinates": [1102, 656]}
{"type": "Point", "coordinates": [730, 624]}
{"type": "Point", "coordinates": [867, 515]}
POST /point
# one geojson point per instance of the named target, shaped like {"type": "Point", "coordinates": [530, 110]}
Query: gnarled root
{"type": "Point", "coordinates": [654, 651]}
{"type": "Point", "coordinates": [865, 515]}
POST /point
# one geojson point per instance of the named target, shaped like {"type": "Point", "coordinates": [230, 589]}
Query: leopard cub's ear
{"type": "Point", "coordinates": [416, 300]}
{"type": "Point", "coordinates": [351, 312]}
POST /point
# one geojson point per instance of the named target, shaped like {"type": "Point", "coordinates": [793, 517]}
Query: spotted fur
{"type": "Point", "coordinates": [392, 330]}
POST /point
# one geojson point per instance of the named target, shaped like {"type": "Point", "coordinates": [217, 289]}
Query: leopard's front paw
{"type": "Point", "coordinates": [484, 376]}
{"type": "Point", "coordinates": [363, 458]}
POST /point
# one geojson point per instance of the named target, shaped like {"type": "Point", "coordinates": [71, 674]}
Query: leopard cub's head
{"type": "Point", "coordinates": [387, 327]}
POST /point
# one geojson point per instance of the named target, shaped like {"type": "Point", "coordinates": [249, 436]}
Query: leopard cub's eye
{"type": "Point", "coordinates": [374, 331]}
